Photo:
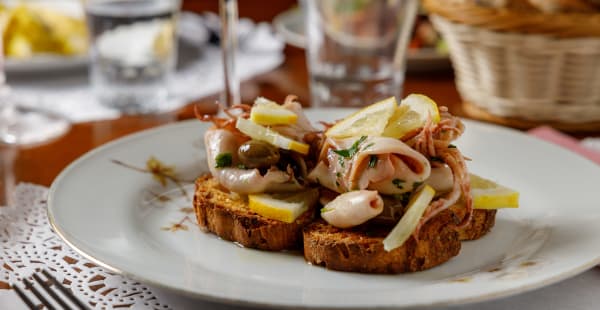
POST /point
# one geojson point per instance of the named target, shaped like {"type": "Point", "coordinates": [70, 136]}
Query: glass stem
{"type": "Point", "coordinates": [229, 18]}
{"type": "Point", "coordinates": [410, 15]}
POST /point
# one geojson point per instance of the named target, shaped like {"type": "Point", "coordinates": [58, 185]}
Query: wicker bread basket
{"type": "Point", "coordinates": [526, 65]}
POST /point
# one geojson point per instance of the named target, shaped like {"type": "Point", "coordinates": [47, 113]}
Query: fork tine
{"type": "Point", "coordinates": [24, 297]}
{"type": "Point", "coordinates": [64, 290]}
{"type": "Point", "coordinates": [37, 294]}
{"type": "Point", "coordinates": [50, 291]}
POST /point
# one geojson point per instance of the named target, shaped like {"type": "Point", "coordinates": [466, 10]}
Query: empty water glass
{"type": "Point", "coordinates": [133, 52]}
{"type": "Point", "coordinates": [356, 49]}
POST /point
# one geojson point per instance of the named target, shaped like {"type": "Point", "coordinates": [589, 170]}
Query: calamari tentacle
{"type": "Point", "coordinates": [461, 187]}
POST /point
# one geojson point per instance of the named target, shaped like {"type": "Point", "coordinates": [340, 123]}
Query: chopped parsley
{"type": "Point", "coordinates": [337, 183]}
{"type": "Point", "coordinates": [338, 174]}
{"type": "Point", "coordinates": [403, 198]}
{"type": "Point", "coordinates": [223, 160]}
{"type": "Point", "coordinates": [451, 146]}
{"type": "Point", "coordinates": [398, 183]}
{"type": "Point", "coordinates": [348, 153]}
{"type": "Point", "coordinates": [242, 166]}
{"type": "Point", "coordinates": [323, 210]}
{"type": "Point", "coordinates": [341, 161]}
{"type": "Point", "coordinates": [416, 185]}
{"type": "Point", "coordinates": [373, 161]}
{"type": "Point", "coordinates": [436, 158]}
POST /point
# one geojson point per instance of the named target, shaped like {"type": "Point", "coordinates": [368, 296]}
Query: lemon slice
{"type": "Point", "coordinates": [283, 207]}
{"type": "Point", "coordinates": [267, 112]}
{"type": "Point", "coordinates": [163, 40]}
{"type": "Point", "coordinates": [423, 105]}
{"type": "Point", "coordinates": [261, 133]}
{"type": "Point", "coordinates": [409, 221]}
{"type": "Point", "coordinates": [410, 115]}
{"type": "Point", "coordinates": [489, 195]}
{"type": "Point", "coordinates": [369, 121]}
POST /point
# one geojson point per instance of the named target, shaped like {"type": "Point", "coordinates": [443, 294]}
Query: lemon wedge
{"type": "Point", "coordinates": [410, 115]}
{"type": "Point", "coordinates": [283, 207]}
{"type": "Point", "coordinates": [409, 221]}
{"type": "Point", "coordinates": [267, 112]}
{"type": "Point", "coordinates": [262, 133]}
{"type": "Point", "coordinates": [423, 105]}
{"type": "Point", "coordinates": [369, 121]}
{"type": "Point", "coordinates": [163, 41]}
{"type": "Point", "coordinates": [489, 195]}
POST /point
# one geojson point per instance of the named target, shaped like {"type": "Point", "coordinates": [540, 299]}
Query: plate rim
{"type": "Point", "coordinates": [245, 302]}
{"type": "Point", "coordinates": [46, 63]}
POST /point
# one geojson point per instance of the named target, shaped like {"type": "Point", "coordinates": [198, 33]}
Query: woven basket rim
{"type": "Point", "coordinates": [564, 25]}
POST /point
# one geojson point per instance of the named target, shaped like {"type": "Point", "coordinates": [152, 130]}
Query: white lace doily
{"type": "Point", "coordinates": [27, 243]}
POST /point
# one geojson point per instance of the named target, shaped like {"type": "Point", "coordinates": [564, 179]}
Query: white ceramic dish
{"type": "Point", "coordinates": [117, 217]}
{"type": "Point", "coordinates": [49, 62]}
{"type": "Point", "coordinates": [45, 63]}
{"type": "Point", "coordinates": [290, 25]}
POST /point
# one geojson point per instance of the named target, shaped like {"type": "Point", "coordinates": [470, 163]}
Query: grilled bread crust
{"type": "Point", "coordinates": [227, 216]}
{"type": "Point", "coordinates": [360, 249]}
{"type": "Point", "coordinates": [481, 223]}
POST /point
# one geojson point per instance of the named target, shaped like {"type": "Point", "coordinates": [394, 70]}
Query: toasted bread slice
{"type": "Point", "coordinates": [360, 249]}
{"type": "Point", "coordinates": [481, 223]}
{"type": "Point", "coordinates": [227, 215]}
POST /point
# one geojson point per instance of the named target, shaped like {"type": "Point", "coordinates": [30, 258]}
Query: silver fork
{"type": "Point", "coordinates": [47, 285]}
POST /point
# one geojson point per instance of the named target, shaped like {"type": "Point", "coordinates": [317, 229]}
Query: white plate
{"type": "Point", "coordinates": [290, 24]}
{"type": "Point", "coordinates": [107, 213]}
{"type": "Point", "coordinates": [45, 63]}
{"type": "Point", "coordinates": [49, 62]}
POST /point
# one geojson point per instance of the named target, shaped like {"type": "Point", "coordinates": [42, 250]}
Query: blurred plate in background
{"type": "Point", "coordinates": [43, 35]}
{"type": "Point", "coordinates": [42, 63]}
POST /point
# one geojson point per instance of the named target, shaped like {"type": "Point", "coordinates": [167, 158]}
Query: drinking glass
{"type": "Point", "coordinates": [356, 49]}
{"type": "Point", "coordinates": [8, 154]}
{"type": "Point", "coordinates": [20, 126]}
{"type": "Point", "coordinates": [133, 52]}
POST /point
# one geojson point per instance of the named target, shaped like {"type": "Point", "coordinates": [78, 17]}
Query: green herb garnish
{"type": "Point", "coordinates": [398, 183]}
{"type": "Point", "coordinates": [373, 161]}
{"type": "Point", "coordinates": [404, 198]}
{"type": "Point", "coordinates": [451, 146]}
{"type": "Point", "coordinates": [223, 160]}
{"type": "Point", "coordinates": [341, 161]}
{"type": "Point", "coordinates": [348, 153]}
{"type": "Point", "coordinates": [323, 210]}
{"type": "Point", "coordinates": [416, 185]}
{"type": "Point", "coordinates": [338, 174]}
{"type": "Point", "coordinates": [436, 158]}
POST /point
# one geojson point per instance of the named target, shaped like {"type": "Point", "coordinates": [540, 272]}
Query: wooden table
{"type": "Point", "coordinates": [41, 164]}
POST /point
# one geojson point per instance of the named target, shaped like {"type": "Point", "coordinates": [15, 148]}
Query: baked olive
{"type": "Point", "coordinates": [258, 154]}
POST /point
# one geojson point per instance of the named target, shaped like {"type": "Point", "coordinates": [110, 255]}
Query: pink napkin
{"type": "Point", "coordinates": [556, 137]}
